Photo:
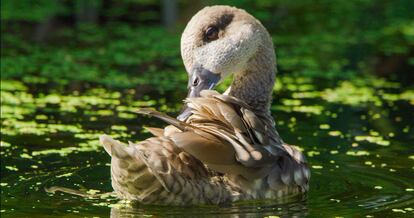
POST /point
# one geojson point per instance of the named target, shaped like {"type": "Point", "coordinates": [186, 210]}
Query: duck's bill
{"type": "Point", "coordinates": [199, 79]}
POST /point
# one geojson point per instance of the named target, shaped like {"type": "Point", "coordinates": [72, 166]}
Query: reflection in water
{"type": "Point", "coordinates": [258, 209]}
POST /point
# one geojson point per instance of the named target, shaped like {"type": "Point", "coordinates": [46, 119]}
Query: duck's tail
{"type": "Point", "coordinates": [132, 179]}
{"type": "Point", "coordinates": [155, 171]}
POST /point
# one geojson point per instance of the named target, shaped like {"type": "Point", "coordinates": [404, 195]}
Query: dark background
{"type": "Point", "coordinates": [136, 42]}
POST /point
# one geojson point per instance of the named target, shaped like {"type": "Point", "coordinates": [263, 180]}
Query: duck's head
{"type": "Point", "coordinates": [219, 41]}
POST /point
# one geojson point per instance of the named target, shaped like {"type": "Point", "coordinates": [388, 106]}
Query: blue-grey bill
{"type": "Point", "coordinates": [200, 79]}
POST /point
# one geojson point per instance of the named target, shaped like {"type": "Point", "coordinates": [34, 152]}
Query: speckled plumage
{"type": "Point", "coordinates": [228, 149]}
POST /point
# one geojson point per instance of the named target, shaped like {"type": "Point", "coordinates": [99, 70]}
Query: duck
{"type": "Point", "coordinates": [223, 147]}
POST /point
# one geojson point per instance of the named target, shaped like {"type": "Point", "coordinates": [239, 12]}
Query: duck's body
{"type": "Point", "coordinates": [227, 147]}
{"type": "Point", "coordinates": [218, 155]}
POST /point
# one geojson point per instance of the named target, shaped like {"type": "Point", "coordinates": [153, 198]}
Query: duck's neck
{"type": "Point", "coordinates": [255, 84]}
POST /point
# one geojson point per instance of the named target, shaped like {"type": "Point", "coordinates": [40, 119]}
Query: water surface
{"type": "Point", "coordinates": [357, 135]}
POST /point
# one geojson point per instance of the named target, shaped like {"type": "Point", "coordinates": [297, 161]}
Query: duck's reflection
{"type": "Point", "coordinates": [287, 207]}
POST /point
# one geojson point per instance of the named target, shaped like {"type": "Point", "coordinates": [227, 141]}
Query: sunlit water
{"type": "Point", "coordinates": [357, 136]}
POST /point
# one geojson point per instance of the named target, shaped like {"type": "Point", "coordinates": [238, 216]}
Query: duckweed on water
{"type": "Point", "coordinates": [358, 153]}
{"type": "Point", "coordinates": [335, 133]}
{"type": "Point", "coordinates": [373, 139]}
{"type": "Point", "coordinates": [348, 93]}
{"type": "Point", "coordinates": [49, 129]}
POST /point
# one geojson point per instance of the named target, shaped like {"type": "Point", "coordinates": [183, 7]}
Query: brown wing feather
{"type": "Point", "coordinates": [155, 131]}
{"type": "Point", "coordinates": [205, 147]}
{"type": "Point", "coordinates": [238, 125]}
{"type": "Point", "coordinates": [256, 142]}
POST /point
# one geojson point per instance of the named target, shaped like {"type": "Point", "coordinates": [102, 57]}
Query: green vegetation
{"type": "Point", "coordinates": [114, 56]}
{"type": "Point", "coordinates": [328, 39]}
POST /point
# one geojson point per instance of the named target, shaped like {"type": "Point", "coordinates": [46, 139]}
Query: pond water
{"type": "Point", "coordinates": [358, 136]}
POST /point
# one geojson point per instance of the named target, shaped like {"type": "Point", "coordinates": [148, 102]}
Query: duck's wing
{"type": "Point", "coordinates": [206, 145]}
{"type": "Point", "coordinates": [194, 140]}
{"type": "Point", "coordinates": [229, 137]}
{"type": "Point", "coordinates": [253, 136]}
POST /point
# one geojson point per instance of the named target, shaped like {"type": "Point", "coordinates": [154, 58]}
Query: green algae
{"type": "Point", "coordinates": [126, 115]}
{"type": "Point", "coordinates": [324, 126]}
{"type": "Point", "coordinates": [64, 175]}
{"type": "Point", "coordinates": [4, 144]}
{"type": "Point", "coordinates": [407, 95]}
{"type": "Point", "coordinates": [12, 85]}
{"type": "Point", "coordinates": [62, 126]}
{"type": "Point", "coordinates": [373, 139]}
{"type": "Point", "coordinates": [335, 133]}
{"type": "Point", "coordinates": [12, 168]}
{"type": "Point", "coordinates": [119, 128]}
{"type": "Point", "coordinates": [307, 109]}
{"type": "Point", "coordinates": [349, 93]}
{"type": "Point", "coordinates": [17, 127]}
{"type": "Point", "coordinates": [357, 153]}
{"type": "Point", "coordinates": [313, 153]}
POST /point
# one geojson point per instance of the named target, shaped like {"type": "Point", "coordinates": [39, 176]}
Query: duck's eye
{"type": "Point", "coordinates": [211, 33]}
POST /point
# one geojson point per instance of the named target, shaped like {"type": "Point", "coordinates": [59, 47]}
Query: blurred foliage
{"type": "Point", "coordinates": [111, 55]}
{"type": "Point", "coordinates": [127, 46]}
{"type": "Point", "coordinates": [27, 10]}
